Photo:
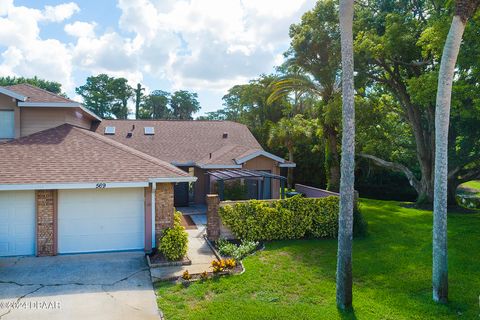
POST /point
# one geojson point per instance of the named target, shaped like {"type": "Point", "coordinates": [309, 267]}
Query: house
{"type": "Point", "coordinates": [71, 182]}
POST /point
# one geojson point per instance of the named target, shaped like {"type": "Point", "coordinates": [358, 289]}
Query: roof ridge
{"type": "Point", "coordinates": [44, 90]}
{"type": "Point", "coordinates": [126, 148]}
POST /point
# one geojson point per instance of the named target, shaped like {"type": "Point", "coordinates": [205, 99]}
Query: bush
{"type": "Point", "coordinates": [293, 218]}
{"type": "Point", "coordinates": [239, 252]}
{"type": "Point", "coordinates": [235, 190]}
{"type": "Point", "coordinates": [174, 241]}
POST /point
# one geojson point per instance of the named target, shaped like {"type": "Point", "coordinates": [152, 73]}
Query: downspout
{"type": "Point", "coordinates": [154, 188]}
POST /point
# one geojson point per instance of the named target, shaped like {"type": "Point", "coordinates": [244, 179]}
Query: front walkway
{"type": "Point", "coordinates": [84, 286]}
{"type": "Point", "coordinates": [198, 252]}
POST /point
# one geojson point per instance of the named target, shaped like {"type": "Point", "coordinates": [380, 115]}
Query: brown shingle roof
{"type": "Point", "coordinates": [35, 94]}
{"type": "Point", "coordinates": [184, 141]}
{"type": "Point", "coordinates": [68, 154]}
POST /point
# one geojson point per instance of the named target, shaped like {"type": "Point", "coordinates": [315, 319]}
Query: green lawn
{"type": "Point", "coordinates": [392, 275]}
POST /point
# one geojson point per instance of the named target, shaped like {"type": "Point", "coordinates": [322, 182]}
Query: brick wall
{"type": "Point", "coordinates": [213, 218]}
{"type": "Point", "coordinates": [46, 206]}
{"type": "Point", "coordinates": [164, 208]}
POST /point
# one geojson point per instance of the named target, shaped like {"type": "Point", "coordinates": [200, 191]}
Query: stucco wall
{"type": "Point", "coordinates": [7, 103]}
{"type": "Point", "coordinates": [34, 119]}
{"type": "Point", "coordinates": [264, 163]}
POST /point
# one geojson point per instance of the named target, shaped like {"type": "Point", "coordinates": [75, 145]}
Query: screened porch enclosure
{"type": "Point", "coordinates": [243, 184]}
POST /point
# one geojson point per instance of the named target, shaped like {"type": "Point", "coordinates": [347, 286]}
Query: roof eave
{"type": "Point", "coordinates": [257, 154]}
{"type": "Point", "coordinates": [13, 94]}
{"type": "Point", "coordinates": [287, 165]}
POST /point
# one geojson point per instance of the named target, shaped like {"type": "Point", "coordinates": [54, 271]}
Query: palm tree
{"type": "Point", "coordinates": [464, 9]}
{"type": "Point", "coordinates": [345, 219]}
{"type": "Point", "coordinates": [287, 132]}
{"type": "Point", "coordinates": [301, 84]}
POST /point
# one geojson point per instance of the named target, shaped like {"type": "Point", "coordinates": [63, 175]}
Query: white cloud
{"type": "Point", "coordinates": [5, 5]}
{"type": "Point", "coordinates": [60, 12]}
{"type": "Point", "coordinates": [81, 29]}
{"type": "Point", "coordinates": [207, 45]}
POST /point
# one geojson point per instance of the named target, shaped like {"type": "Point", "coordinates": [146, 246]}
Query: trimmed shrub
{"type": "Point", "coordinates": [174, 241]}
{"type": "Point", "coordinates": [293, 218]}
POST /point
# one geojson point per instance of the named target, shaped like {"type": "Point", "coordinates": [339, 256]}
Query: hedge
{"type": "Point", "coordinates": [293, 218]}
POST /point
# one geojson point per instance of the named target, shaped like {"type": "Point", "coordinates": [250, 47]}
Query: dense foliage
{"type": "Point", "coordinates": [174, 240]}
{"type": "Point", "coordinates": [109, 97]}
{"type": "Point", "coordinates": [397, 46]}
{"type": "Point", "coordinates": [293, 218]}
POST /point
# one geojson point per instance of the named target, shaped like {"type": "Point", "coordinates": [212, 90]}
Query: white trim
{"type": "Point", "coordinates": [173, 179]}
{"type": "Point", "coordinates": [287, 165]}
{"type": "Point", "coordinates": [90, 113]}
{"type": "Point", "coordinates": [87, 185]}
{"type": "Point", "coordinates": [12, 94]}
{"type": "Point", "coordinates": [154, 188]}
{"type": "Point", "coordinates": [259, 153]}
{"type": "Point", "coordinates": [219, 166]}
{"type": "Point", "coordinates": [50, 104]}
{"type": "Point", "coordinates": [59, 105]}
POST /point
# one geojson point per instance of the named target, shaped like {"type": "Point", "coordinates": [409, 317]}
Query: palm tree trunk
{"type": "Point", "coordinates": [442, 119]}
{"type": "Point", "coordinates": [345, 219]}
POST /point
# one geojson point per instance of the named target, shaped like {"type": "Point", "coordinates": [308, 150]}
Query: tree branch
{"type": "Point", "coordinates": [395, 167]}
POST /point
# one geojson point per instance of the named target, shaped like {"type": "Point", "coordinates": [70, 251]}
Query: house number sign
{"type": "Point", "coordinates": [101, 185]}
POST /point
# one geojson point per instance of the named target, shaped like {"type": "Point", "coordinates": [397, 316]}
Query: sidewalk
{"type": "Point", "coordinates": [198, 252]}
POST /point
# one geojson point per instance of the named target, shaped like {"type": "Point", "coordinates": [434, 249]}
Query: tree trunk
{"type": "Point", "coordinates": [442, 119]}
{"type": "Point", "coordinates": [452, 191]}
{"type": "Point", "coordinates": [290, 170]}
{"type": "Point", "coordinates": [345, 218]}
{"type": "Point", "coordinates": [332, 160]}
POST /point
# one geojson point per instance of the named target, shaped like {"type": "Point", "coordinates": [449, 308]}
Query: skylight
{"type": "Point", "coordinates": [109, 130]}
{"type": "Point", "coordinates": [149, 130]}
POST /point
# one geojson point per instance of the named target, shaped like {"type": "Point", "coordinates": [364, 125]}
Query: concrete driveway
{"type": "Point", "coordinates": [86, 286]}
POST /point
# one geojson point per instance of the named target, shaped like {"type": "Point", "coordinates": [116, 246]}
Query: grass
{"type": "Point", "coordinates": [391, 266]}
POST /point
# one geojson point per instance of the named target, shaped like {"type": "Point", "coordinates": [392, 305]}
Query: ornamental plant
{"type": "Point", "coordinates": [174, 241]}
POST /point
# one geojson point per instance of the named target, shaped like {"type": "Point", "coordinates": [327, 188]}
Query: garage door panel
{"type": "Point", "coordinates": [17, 223]}
{"type": "Point", "coordinates": [111, 219]}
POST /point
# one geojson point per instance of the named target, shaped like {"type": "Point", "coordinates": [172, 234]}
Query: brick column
{"type": "Point", "coordinates": [213, 218]}
{"type": "Point", "coordinates": [164, 208]}
{"type": "Point", "coordinates": [46, 207]}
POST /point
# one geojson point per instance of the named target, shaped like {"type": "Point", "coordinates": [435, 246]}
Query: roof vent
{"type": "Point", "coordinates": [109, 130]}
{"type": "Point", "coordinates": [225, 135]}
{"type": "Point", "coordinates": [149, 130]}
{"type": "Point", "coordinates": [129, 135]}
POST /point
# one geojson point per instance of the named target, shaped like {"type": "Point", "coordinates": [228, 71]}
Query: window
{"type": "Point", "coordinates": [109, 130]}
{"type": "Point", "coordinates": [149, 130]}
{"type": "Point", "coordinates": [7, 125]}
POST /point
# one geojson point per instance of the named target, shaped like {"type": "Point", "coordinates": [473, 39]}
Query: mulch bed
{"type": "Point", "coordinates": [187, 222]}
{"type": "Point", "coordinates": [157, 259]}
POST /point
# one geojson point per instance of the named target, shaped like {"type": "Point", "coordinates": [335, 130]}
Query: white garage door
{"type": "Point", "coordinates": [100, 220]}
{"type": "Point", "coordinates": [17, 223]}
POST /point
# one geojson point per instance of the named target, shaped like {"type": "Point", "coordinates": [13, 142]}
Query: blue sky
{"type": "Point", "coordinates": [205, 46]}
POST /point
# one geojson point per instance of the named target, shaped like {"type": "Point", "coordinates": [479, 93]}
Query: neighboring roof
{"type": "Point", "coordinates": [72, 155]}
{"type": "Point", "coordinates": [185, 142]}
{"type": "Point", "coordinates": [31, 96]}
{"type": "Point", "coordinates": [36, 94]}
